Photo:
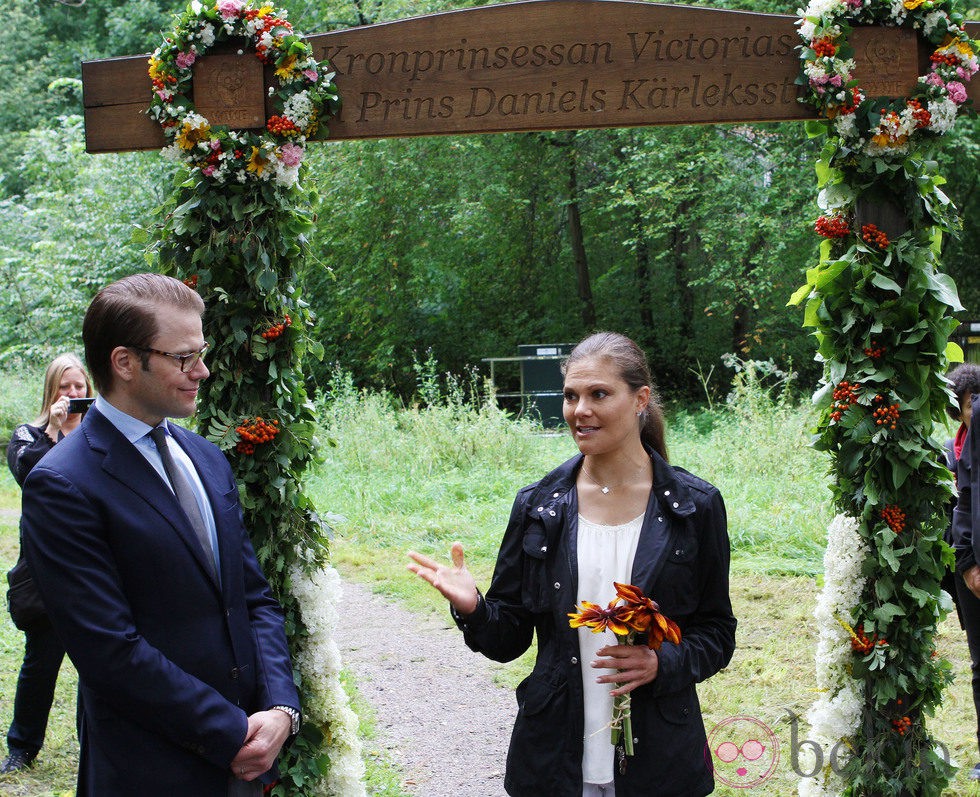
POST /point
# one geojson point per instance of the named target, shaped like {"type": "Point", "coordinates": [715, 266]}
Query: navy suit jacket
{"type": "Point", "coordinates": [170, 663]}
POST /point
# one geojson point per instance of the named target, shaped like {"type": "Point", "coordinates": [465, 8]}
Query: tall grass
{"type": "Point", "coordinates": [402, 476]}
{"type": "Point", "coordinates": [419, 475]}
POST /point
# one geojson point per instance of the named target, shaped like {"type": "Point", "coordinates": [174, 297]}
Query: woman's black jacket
{"type": "Point", "coordinates": [681, 562]}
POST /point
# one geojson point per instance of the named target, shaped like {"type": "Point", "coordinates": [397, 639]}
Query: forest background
{"type": "Point", "coordinates": [689, 239]}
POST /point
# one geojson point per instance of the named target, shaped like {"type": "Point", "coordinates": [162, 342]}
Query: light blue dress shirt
{"type": "Point", "coordinates": [138, 433]}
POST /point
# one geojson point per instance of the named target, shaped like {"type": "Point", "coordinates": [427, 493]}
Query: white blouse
{"type": "Point", "coordinates": [605, 555]}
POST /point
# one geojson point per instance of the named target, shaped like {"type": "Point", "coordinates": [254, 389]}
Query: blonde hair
{"type": "Point", "coordinates": [52, 383]}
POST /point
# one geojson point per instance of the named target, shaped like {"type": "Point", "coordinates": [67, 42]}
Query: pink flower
{"type": "Point", "coordinates": [934, 80]}
{"type": "Point", "coordinates": [184, 60]}
{"type": "Point", "coordinates": [855, 4]}
{"type": "Point", "coordinates": [215, 145]}
{"type": "Point", "coordinates": [310, 75]}
{"type": "Point", "coordinates": [230, 9]}
{"type": "Point", "coordinates": [957, 91]}
{"type": "Point", "coordinates": [164, 95]}
{"type": "Point", "coordinates": [291, 155]}
{"type": "Point", "coordinates": [208, 170]}
{"type": "Point", "coordinates": [836, 81]}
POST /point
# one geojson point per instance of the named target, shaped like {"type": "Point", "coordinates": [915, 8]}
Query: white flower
{"type": "Point", "coordinates": [836, 713]}
{"type": "Point", "coordinates": [319, 595]}
{"type": "Point", "coordinates": [932, 20]}
{"type": "Point", "coordinates": [943, 114]}
{"type": "Point", "coordinates": [898, 11]}
{"type": "Point", "coordinates": [207, 35]}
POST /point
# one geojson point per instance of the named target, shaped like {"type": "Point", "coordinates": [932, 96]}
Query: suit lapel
{"type": "Point", "coordinates": [124, 463]}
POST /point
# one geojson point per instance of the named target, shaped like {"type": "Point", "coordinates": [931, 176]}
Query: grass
{"type": "Point", "coordinates": [396, 478]}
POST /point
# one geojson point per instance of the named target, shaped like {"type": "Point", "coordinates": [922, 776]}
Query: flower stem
{"type": "Point", "coordinates": [622, 722]}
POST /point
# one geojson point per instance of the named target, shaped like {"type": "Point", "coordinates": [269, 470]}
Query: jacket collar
{"type": "Point", "coordinates": [672, 494]}
{"type": "Point", "coordinates": [124, 463]}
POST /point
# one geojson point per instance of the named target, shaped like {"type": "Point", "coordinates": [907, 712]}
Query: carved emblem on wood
{"type": "Point", "coordinates": [229, 90]}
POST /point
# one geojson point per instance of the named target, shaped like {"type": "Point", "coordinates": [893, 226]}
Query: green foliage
{"type": "Point", "coordinates": [67, 236]}
{"type": "Point", "coordinates": [882, 312]}
{"type": "Point", "coordinates": [240, 246]}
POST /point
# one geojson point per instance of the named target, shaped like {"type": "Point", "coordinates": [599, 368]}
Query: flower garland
{"type": "Point", "coordinates": [319, 594]}
{"type": "Point", "coordinates": [881, 311]}
{"type": "Point", "coordinates": [305, 94]}
{"type": "Point", "coordinates": [884, 126]}
{"type": "Point", "coordinates": [836, 714]}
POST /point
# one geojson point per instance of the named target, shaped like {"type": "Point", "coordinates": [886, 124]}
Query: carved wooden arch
{"type": "Point", "coordinates": [535, 65]}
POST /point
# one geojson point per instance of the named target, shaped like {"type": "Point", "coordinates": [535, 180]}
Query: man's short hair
{"type": "Point", "coordinates": [124, 314]}
{"type": "Point", "coordinates": [964, 380]}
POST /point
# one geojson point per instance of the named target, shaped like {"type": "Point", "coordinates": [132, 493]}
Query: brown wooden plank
{"type": "Point", "coordinates": [541, 64]}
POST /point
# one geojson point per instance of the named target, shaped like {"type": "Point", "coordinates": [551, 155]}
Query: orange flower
{"type": "Point", "coordinates": [646, 616]}
{"type": "Point", "coordinates": [591, 615]}
{"type": "Point", "coordinates": [660, 629]}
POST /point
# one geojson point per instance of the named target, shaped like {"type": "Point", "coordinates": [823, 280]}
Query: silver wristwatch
{"type": "Point", "coordinates": [294, 718]}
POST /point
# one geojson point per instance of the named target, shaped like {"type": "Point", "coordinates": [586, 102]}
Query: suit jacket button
{"type": "Point", "coordinates": [234, 673]}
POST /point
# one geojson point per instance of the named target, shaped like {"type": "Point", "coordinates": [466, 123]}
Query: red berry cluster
{"type": "Point", "coordinates": [254, 431]}
{"type": "Point", "coordinates": [276, 330]}
{"type": "Point", "coordinates": [885, 415]}
{"type": "Point", "coordinates": [832, 226]}
{"type": "Point", "coordinates": [901, 725]}
{"type": "Point", "coordinates": [921, 115]}
{"type": "Point", "coordinates": [875, 350]}
{"type": "Point", "coordinates": [944, 58]}
{"type": "Point", "coordinates": [862, 643]}
{"type": "Point", "coordinates": [282, 126]}
{"type": "Point", "coordinates": [845, 395]}
{"type": "Point", "coordinates": [824, 47]}
{"type": "Point", "coordinates": [894, 518]}
{"type": "Point", "coordinates": [191, 282]}
{"type": "Point", "coordinates": [874, 236]}
{"type": "Point", "coordinates": [268, 23]}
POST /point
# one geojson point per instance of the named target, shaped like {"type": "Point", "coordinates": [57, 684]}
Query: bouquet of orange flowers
{"type": "Point", "coordinates": [630, 613]}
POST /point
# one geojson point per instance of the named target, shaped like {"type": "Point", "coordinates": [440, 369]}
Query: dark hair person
{"type": "Point", "coordinates": [965, 383]}
{"type": "Point", "coordinates": [65, 379]}
{"type": "Point", "coordinates": [135, 537]}
{"type": "Point", "coordinates": [616, 512]}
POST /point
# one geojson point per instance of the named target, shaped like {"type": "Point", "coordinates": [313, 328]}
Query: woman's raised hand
{"type": "Point", "coordinates": [58, 413]}
{"type": "Point", "coordinates": [456, 583]}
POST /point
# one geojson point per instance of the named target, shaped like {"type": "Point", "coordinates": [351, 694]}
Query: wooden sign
{"type": "Point", "coordinates": [888, 60]}
{"type": "Point", "coordinates": [230, 90]}
{"type": "Point", "coordinates": [537, 65]}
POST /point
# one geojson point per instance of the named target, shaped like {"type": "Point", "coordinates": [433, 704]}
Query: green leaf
{"type": "Point", "coordinates": [954, 353]}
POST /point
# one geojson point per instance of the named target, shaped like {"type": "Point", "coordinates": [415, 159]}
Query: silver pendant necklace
{"type": "Point", "coordinates": [605, 488]}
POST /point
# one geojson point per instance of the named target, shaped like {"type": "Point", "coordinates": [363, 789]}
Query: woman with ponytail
{"type": "Point", "coordinates": [616, 512]}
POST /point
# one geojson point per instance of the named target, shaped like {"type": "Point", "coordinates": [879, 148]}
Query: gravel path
{"type": "Point", "coordinates": [439, 715]}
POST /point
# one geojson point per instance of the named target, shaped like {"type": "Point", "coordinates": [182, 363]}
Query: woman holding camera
{"type": "Point", "coordinates": [64, 381]}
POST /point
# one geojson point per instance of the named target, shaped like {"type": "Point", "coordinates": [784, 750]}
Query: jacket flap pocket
{"type": "Point", "coordinates": [678, 707]}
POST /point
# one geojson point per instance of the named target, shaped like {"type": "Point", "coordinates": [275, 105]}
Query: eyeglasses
{"type": "Point", "coordinates": [752, 750]}
{"type": "Point", "coordinates": [187, 362]}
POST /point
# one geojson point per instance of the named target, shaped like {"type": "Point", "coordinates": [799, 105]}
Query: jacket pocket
{"type": "Point", "coordinates": [542, 718]}
{"type": "Point", "coordinates": [536, 591]}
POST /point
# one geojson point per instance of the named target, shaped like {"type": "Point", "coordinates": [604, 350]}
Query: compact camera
{"type": "Point", "coordinates": [79, 405]}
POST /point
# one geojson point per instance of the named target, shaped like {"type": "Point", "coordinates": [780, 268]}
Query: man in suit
{"type": "Point", "coordinates": [139, 550]}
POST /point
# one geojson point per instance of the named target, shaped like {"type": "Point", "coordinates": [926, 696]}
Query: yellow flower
{"type": "Point", "coordinates": [257, 163]}
{"type": "Point", "coordinates": [913, 4]}
{"type": "Point", "coordinates": [287, 67]}
{"type": "Point", "coordinates": [264, 11]}
{"type": "Point", "coordinates": [964, 47]}
{"type": "Point", "coordinates": [155, 64]}
{"type": "Point", "coordinates": [189, 136]}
